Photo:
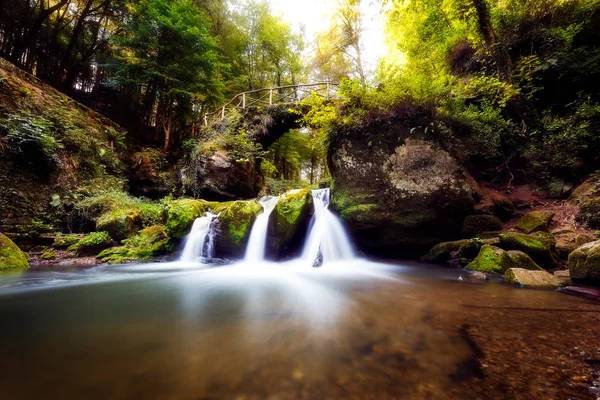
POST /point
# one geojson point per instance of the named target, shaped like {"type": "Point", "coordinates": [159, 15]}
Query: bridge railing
{"type": "Point", "coordinates": [272, 96]}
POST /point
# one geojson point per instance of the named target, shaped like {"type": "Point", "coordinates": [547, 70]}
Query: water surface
{"type": "Point", "coordinates": [347, 331]}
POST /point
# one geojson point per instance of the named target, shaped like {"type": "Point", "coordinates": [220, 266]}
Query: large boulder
{"type": "Point", "coordinates": [584, 263]}
{"type": "Point", "coordinates": [234, 225]}
{"type": "Point", "coordinates": [523, 261]}
{"type": "Point", "coordinates": [288, 222]}
{"type": "Point", "coordinates": [441, 253]}
{"type": "Point", "coordinates": [11, 257]}
{"type": "Point", "coordinates": [541, 247]}
{"type": "Point", "coordinates": [181, 215]}
{"type": "Point", "coordinates": [397, 188]}
{"type": "Point", "coordinates": [534, 279]}
{"type": "Point", "coordinates": [535, 221]}
{"type": "Point", "coordinates": [120, 224]}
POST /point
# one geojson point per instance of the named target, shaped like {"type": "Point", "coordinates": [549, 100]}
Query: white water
{"type": "Point", "coordinates": [199, 244]}
{"type": "Point", "coordinates": [258, 235]}
{"type": "Point", "coordinates": [326, 233]}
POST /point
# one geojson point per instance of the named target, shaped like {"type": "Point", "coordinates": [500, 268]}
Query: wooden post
{"type": "Point", "coordinates": [243, 100]}
{"type": "Point", "coordinates": [271, 97]}
{"type": "Point", "coordinates": [223, 113]}
{"type": "Point", "coordinates": [205, 120]}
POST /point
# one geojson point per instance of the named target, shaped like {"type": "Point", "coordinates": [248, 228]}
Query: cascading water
{"type": "Point", "coordinates": [327, 240]}
{"type": "Point", "coordinates": [199, 244]}
{"type": "Point", "coordinates": [258, 235]}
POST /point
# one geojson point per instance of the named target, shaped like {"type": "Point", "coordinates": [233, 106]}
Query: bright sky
{"type": "Point", "coordinates": [315, 16]}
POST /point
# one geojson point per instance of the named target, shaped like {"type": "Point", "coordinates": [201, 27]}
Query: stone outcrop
{"type": "Point", "coordinates": [584, 263]}
{"type": "Point", "coordinates": [11, 257]}
{"type": "Point", "coordinates": [288, 223]}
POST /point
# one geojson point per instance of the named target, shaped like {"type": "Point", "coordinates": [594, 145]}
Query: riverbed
{"type": "Point", "coordinates": [356, 330]}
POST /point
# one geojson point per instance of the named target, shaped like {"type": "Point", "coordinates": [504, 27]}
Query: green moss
{"type": "Point", "coordinates": [92, 244]}
{"type": "Point", "coordinates": [236, 220]}
{"type": "Point", "coordinates": [48, 255]}
{"type": "Point", "coordinates": [63, 241]}
{"type": "Point", "coordinates": [181, 215]}
{"type": "Point", "coordinates": [475, 224]}
{"type": "Point", "coordinates": [491, 259]}
{"type": "Point", "coordinates": [150, 242]}
{"type": "Point", "coordinates": [541, 247]}
{"type": "Point", "coordinates": [11, 257]}
{"type": "Point", "coordinates": [584, 263]}
{"type": "Point", "coordinates": [120, 224]}
{"type": "Point", "coordinates": [441, 253]}
{"type": "Point", "coordinates": [288, 217]}
{"type": "Point", "coordinates": [535, 221]}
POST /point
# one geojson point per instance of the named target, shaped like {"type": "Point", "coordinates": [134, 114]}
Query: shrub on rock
{"type": "Point", "coordinates": [11, 257]}
{"type": "Point", "coordinates": [535, 221]}
{"type": "Point", "coordinates": [120, 224]}
{"type": "Point", "coordinates": [150, 242]}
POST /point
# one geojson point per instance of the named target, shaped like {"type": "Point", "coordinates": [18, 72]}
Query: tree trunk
{"type": "Point", "coordinates": [486, 29]}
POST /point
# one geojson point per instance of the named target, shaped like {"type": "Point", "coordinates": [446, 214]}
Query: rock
{"type": "Point", "coordinates": [563, 275]}
{"type": "Point", "coordinates": [476, 276]}
{"type": "Point", "coordinates": [234, 225]}
{"type": "Point", "coordinates": [120, 224]}
{"type": "Point", "coordinates": [528, 278]}
{"type": "Point", "coordinates": [64, 241]}
{"type": "Point", "coordinates": [523, 261]}
{"type": "Point", "coordinates": [569, 240]}
{"type": "Point", "coordinates": [151, 175]}
{"type": "Point", "coordinates": [150, 242]}
{"type": "Point", "coordinates": [494, 203]}
{"type": "Point", "coordinates": [541, 247]}
{"type": "Point", "coordinates": [475, 224]}
{"type": "Point", "coordinates": [584, 263]}
{"type": "Point", "coordinates": [48, 255]}
{"type": "Point", "coordinates": [92, 244]}
{"type": "Point", "coordinates": [396, 188]}
{"type": "Point", "coordinates": [181, 215]}
{"type": "Point", "coordinates": [288, 222]}
{"type": "Point", "coordinates": [491, 259]}
{"type": "Point", "coordinates": [441, 252]}
{"type": "Point", "coordinates": [535, 221]}
{"type": "Point", "coordinates": [588, 293]}
{"type": "Point", "coordinates": [11, 257]}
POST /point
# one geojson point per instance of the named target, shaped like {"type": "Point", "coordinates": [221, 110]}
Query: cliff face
{"type": "Point", "coordinates": [52, 149]}
{"type": "Point", "coordinates": [397, 187]}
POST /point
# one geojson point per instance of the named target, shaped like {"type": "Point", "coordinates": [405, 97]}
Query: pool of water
{"type": "Point", "coordinates": [357, 330]}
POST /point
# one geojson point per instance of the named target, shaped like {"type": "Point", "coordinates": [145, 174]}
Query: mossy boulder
{"type": "Point", "coordinates": [120, 224]}
{"type": "Point", "coordinates": [523, 261]}
{"type": "Point", "coordinates": [531, 278]}
{"type": "Point", "coordinates": [491, 259]}
{"type": "Point", "coordinates": [535, 221]}
{"type": "Point", "coordinates": [441, 253]}
{"type": "Point", "coordinates": [589, 212]}
{"type": "Point", "coordinates": [541, 247]}
{"type": "Point", "coordinates": [584, 263]}
{"type": "Point", "coordinates": [64, 241]}
{"type": "Point", "coordinates": [397, 188]}
{"type": "Point", "coordinates": [234, 225]}
{"type": "Point", "coordinates": [92, 244]}
{"type": "Point", "coordinates": [289, 220]}
{"type": "Point", "coordinates": [48, 256]}
{"type": "Point", "coordinates": [11, 257]}
{"type": "Point", "coordinates": [181, 215]}
{"type": "Point", "coordinates": [149, 243]}
{"type": "Point", "coordinates": [476, 224]}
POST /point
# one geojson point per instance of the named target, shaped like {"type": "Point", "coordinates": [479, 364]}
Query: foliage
{"type": "Point", "coordinates": [149, 243]}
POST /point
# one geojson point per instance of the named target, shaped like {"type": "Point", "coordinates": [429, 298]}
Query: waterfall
{"type": "Point", "coordinates": [327, 240]}
{"type": "Point", "coordinates": [199, 244]}
{"type": "Point", "coordinates": [258, 235]}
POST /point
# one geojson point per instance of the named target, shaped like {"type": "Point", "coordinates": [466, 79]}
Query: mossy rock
{"type": "Point", "coordinates": [584, 263]}
{"type": "Point", "coordinates": [64, 241]}
{"type": "Point", "coordinates": [491, 259]}
{"type": "Point", "coordinates": [235, 223]}
{"type": "Point", "coordinates": [441, 253]}
{"type": "Point", "coordinates": [289, 219]}
{"type": "Point", "coordinates": [532, 278]}
{"type": "Point", "coordinates": [475, 224]}
{"type": "Point", "coordinates": [535, 221]}
{"type": "Point", "coordinates": [181, 215]}
{"type": "Point", "coordinates": [149, 243]}
{"type": "Point", "coordinates": [541, 247]}
{"type": "Point", "coordinates": [92, 244]}
{"type": "Point", "coordinates": [11, 257]}
{"type": "Point", "coordinates": [523, 261]}
{"type": "Point", "coordinates": [589, 212]}
{"type": "Point", "coordinates": [48, 256]}
{"type": "Point", "coordinates": [120, 224]}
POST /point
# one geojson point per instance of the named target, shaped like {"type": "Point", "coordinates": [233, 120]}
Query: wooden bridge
{"type": "Point", "coordinates": [273, 96]}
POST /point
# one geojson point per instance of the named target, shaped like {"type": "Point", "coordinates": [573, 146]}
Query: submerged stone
{"type": "Point", "coordinates": [541, 247]}
{"type": "Point", "coordinates": [11, 257]}
{"type": "Point", "coordinates": [535, 279]}
{"type": "Point", "coordinates": [535, 221]}
{"type": "Point", "coordinates": [491, 259]}
{"type": "Point", "coordinates": [584, 263]}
